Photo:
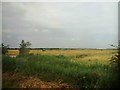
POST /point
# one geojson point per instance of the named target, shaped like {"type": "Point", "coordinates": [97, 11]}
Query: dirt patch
{"type": "Point", "coordinates": [30, 82]}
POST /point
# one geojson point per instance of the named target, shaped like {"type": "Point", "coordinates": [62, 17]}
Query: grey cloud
{"type": "Point", "coordinates": [60, 24]}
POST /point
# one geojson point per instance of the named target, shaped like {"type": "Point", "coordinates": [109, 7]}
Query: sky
{"type": "Point", "coordinates": [60, 24]}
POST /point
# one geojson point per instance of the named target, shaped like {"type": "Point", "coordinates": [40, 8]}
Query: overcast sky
{"type": "Point", "coordinates": [60, 24]}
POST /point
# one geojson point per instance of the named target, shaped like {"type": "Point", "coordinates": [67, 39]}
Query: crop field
{"type": "Point", "coordinates": [68, 52]}
{"type": "Point", "coordinates": [101, 56]}
{"type": "Point", "coordinates": [60, 69]}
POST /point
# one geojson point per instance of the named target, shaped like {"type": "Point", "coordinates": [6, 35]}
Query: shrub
{"type": "Point", "coordinates": [115, 62]}
{"type": "Point", "coordinates": [24, 47]}
{"type": "Point", "coordinates": [4, 48]}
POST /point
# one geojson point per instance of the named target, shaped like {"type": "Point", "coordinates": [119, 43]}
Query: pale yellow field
{"type": "Point", "coordinates": [102, 56]}
{"type": "Point", "coordinates": [66, 52]}
{"type": "Point", "coordinates": [71, 52]}
{"type": "Point", "coordinates": [13, 52]}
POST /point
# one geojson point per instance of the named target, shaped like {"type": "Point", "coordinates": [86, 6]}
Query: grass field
{"type": "Point", "coordinates": [77, 68]}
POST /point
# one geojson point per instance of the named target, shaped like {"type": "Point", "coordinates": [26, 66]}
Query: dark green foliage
{"type": "Point", "coordinates": [8, 63]}
{"type": "Point", "coordinates": [8, 84]}
{"type": "Point", "coordinates": [115, 62]}
{"type": "Point", "coordinates": [4, 48]}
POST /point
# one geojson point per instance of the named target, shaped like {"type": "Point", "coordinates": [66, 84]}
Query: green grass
{"type": "Point", "coordinates": [59, 67]}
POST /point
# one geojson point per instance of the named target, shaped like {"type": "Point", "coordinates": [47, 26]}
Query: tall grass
{"type": "Point", "coordinates": [8, 63]}
{"type": "Point", "coordinates": [59, 67]}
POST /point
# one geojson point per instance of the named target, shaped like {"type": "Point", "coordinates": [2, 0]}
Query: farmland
{"type": "Point", "coordinates": [60, 69]}
{"type": "Point", "coordinates": [101, 56]}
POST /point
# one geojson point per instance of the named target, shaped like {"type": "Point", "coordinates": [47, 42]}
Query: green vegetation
{"type": "Point", "coordinates": [115, 62]}
{"type": "Point", "coordinates": [60, 67]}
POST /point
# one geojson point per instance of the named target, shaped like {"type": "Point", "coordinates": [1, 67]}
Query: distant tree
{"type": "Point", "coordinates": [24, 47]}
{"type": "Point", "coordinates": [115, 60]}
{"type": "Point", "coordinates": [4, 48]}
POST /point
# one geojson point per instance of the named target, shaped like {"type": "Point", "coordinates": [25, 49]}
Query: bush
{"type": "Point", "coordinates": [4, 48]}
{"type": "Point", "coordinates": [115, 63]}
{"type": "Point", "coordinates": [24, 47]}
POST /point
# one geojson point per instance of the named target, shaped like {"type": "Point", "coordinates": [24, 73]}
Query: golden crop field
{"type": "Point", "coordinates": [78, 55]}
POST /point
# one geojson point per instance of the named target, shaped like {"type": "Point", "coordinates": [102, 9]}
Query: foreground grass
{"type": "Point", "coordinates": [64, 68]}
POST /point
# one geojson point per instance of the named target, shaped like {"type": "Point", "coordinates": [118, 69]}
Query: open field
{"type": "Point", "coordinates": [69, 68]}
{"type": "Point", "coordinates": [67, 52]}
{"type": "Point", "coordinates": [101, 56]}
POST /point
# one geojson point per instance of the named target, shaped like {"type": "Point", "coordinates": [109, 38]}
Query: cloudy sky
{"type": "Point", "coordinates": [60, 24]}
